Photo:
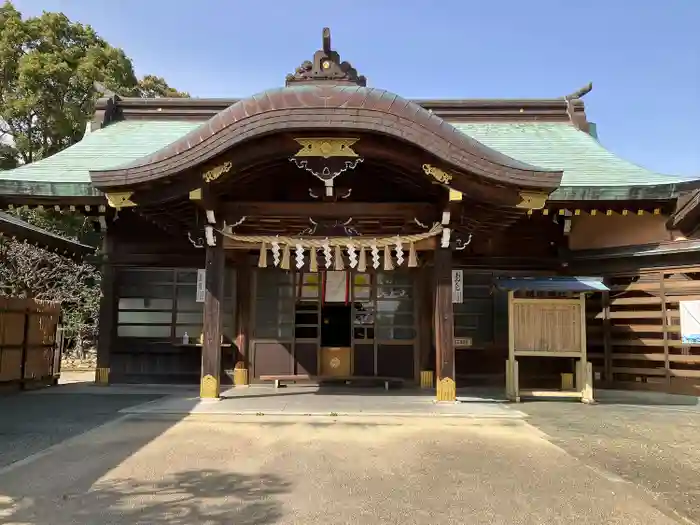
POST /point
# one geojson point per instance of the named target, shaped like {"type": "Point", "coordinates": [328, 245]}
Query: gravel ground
{"type": "Point", "coordinates": [656, 448]}
{"type": "Point", "coordinates": [616, 464]}
{"type": "Point", "coordinates": [264, 470]}
{"type": "Point", "coordinates": [33, 421]}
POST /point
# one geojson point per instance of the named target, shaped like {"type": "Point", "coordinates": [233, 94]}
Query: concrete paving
{"type": "Point", "coordinates": [324, 401]}
{"type": "Point", "coordinates": [331, 470]}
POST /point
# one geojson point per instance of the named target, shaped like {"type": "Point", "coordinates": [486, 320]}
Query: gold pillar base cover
{"type": "Point", "coordinates": [240, 377]}
{"type": "Point", "coordinates": [209, 388]}
{"type": "Point", "coordinates": [102, 376]}
{"type": "Point", "coordinates": [446, 389]}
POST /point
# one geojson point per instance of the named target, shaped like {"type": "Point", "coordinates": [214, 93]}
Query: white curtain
{"type": "Point", "coordinates": [336, 287]}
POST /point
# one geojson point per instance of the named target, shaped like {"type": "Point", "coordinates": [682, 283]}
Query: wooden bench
{"type": "Point", "coordinates": [386, 381]}
{"type": "Point", "coordinates": [289, 378]}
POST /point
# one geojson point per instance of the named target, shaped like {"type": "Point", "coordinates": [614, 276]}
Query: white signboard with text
{"type": "Point", "coordinates": [457, 286]}
{"type": "Point", "coordinates": [201, 285]}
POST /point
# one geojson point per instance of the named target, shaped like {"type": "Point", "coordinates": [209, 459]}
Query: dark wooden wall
{"type": "Point", "coordinates": [151, 268]}
{"type": "Point", "coordinates": [634, 331]}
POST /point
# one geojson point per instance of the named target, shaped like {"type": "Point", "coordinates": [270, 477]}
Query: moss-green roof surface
{"type": "Point", "coordinates": [586, 163]}
{"type": "Point", "coordinates": [590, 170]}
{"type": "Point", "coordinates": [67, 174]}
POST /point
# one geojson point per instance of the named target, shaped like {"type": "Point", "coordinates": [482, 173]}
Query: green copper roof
{"type": "Point", "coordinates": [590, 170]}
{"type": "Point", "coordinates": [586, 163]}
{"type": "Point", "coordinates": [67, 174]}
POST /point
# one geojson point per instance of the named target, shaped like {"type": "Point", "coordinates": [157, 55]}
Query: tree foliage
{"type": "Point", "coordinates": [52, 71]}
{"type": "Point", "coordinates": [49, 69]}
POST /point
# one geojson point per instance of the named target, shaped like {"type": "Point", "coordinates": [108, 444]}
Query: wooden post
{"type": "Point", "coordinates": [512, 380]}
{"type": "Point", "coordinates": [425, 305]}
{"type": "Point", "coordinates": [664, 328]}
{"type": "Point", "coordinates": [244, 294]}
{"type": "Point", "coordinates": [213, 297]}
{"type": "Point", "coordinates": [607, 340]}
{"type": "Point", "coordinates": [444, 327]}
{"type": "Point", "coordinates": [586, 378]}
{"type": "Point", "coordinates": [25, 344]}
{"type": "Point", "coordinates": [108, 303]}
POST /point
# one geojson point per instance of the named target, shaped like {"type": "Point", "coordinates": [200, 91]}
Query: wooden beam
{"type": "Point", "coordinates": [340, 210]}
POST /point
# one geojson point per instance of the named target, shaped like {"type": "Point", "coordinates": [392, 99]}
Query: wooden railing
{"type": "Point", "coordinates": [30, 342]}
{"type": "Point", "coordinates": [634, 332]}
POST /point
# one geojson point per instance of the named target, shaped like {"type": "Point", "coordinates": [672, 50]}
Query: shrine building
{"type": "Point", "coordinates": [327, 231]}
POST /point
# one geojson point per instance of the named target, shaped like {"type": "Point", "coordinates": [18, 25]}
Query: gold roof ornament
{"type": "Point", "coordinates": [119, 200]}
{"type": "Point", "coordinates": [532, 200]}
{"type": "Point", "coordinates": [216, 172]}
{"type": "Point", "coordinates": [326, 147]}
{"type": "Point", "coordinates": [436, 173]}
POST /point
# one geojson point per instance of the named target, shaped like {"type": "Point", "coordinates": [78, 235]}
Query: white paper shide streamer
{"type": "Point", "coordinates": [276, 253]}
{"type": "Point", "coordinates": [375, 255]}
{"type": "Point", "coordinates": [299, 256]}
{"type": "Point", "coordinates": [352, 255]}
{"type": "Point", "coordinates": [399, 251]}
{"type": "Point", "coordinates": [327, 253]}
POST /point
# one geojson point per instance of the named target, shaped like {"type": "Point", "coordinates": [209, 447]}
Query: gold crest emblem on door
{"type": "Point", "coordinates": [336, 361]}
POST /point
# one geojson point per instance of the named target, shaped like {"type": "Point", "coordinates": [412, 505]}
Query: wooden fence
{"type": "Point", "coordinates": [634, 332]}
{"type": "Point", "coordinates": [30, 342]}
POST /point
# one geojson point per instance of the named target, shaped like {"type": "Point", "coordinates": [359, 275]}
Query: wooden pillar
{"type": "Point", "coordinates": [244, 292]}
{"type": "Point", "coordinates": [108, 303]}
{"type": "Point", "coordinates": [664, 327]}
{"type": "Point", "coordinates": [444, 327]}
{"type": "Point", "coordinates": [425, 304]}
{"type": "Point", "coordinates": [607, 340]}
{"type": "Point", "coordinates": [213, 299]}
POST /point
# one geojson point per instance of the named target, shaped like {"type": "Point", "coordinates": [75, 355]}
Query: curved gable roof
{"type": "Point", "coordinates": [308, 107]}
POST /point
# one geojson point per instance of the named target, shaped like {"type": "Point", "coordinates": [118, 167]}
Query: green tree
{"type": "Point", "coordinates": [151, 86]}
{"type": "Point", "coordinates": [8, 157]}
{"type": "Point", "coordinates": [49, 69]}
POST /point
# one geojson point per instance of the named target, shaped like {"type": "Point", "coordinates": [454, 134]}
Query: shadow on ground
{"type": "Point", "coordinates": [188, 497]}
{"type": "Point", "coordinates": [77, 485]}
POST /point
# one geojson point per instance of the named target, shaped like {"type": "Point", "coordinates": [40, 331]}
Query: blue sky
{"type": "Point", "coordinates": [642, 56]}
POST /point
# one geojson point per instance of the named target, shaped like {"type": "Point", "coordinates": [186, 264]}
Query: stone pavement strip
{"type": "Point", "coordinates": [327, 471]}
{"type": "Point", "coordinates": [314, 401]}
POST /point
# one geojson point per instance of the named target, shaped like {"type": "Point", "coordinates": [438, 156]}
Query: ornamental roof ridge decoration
{"type": "Point", "coordinates": [326, 66]}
